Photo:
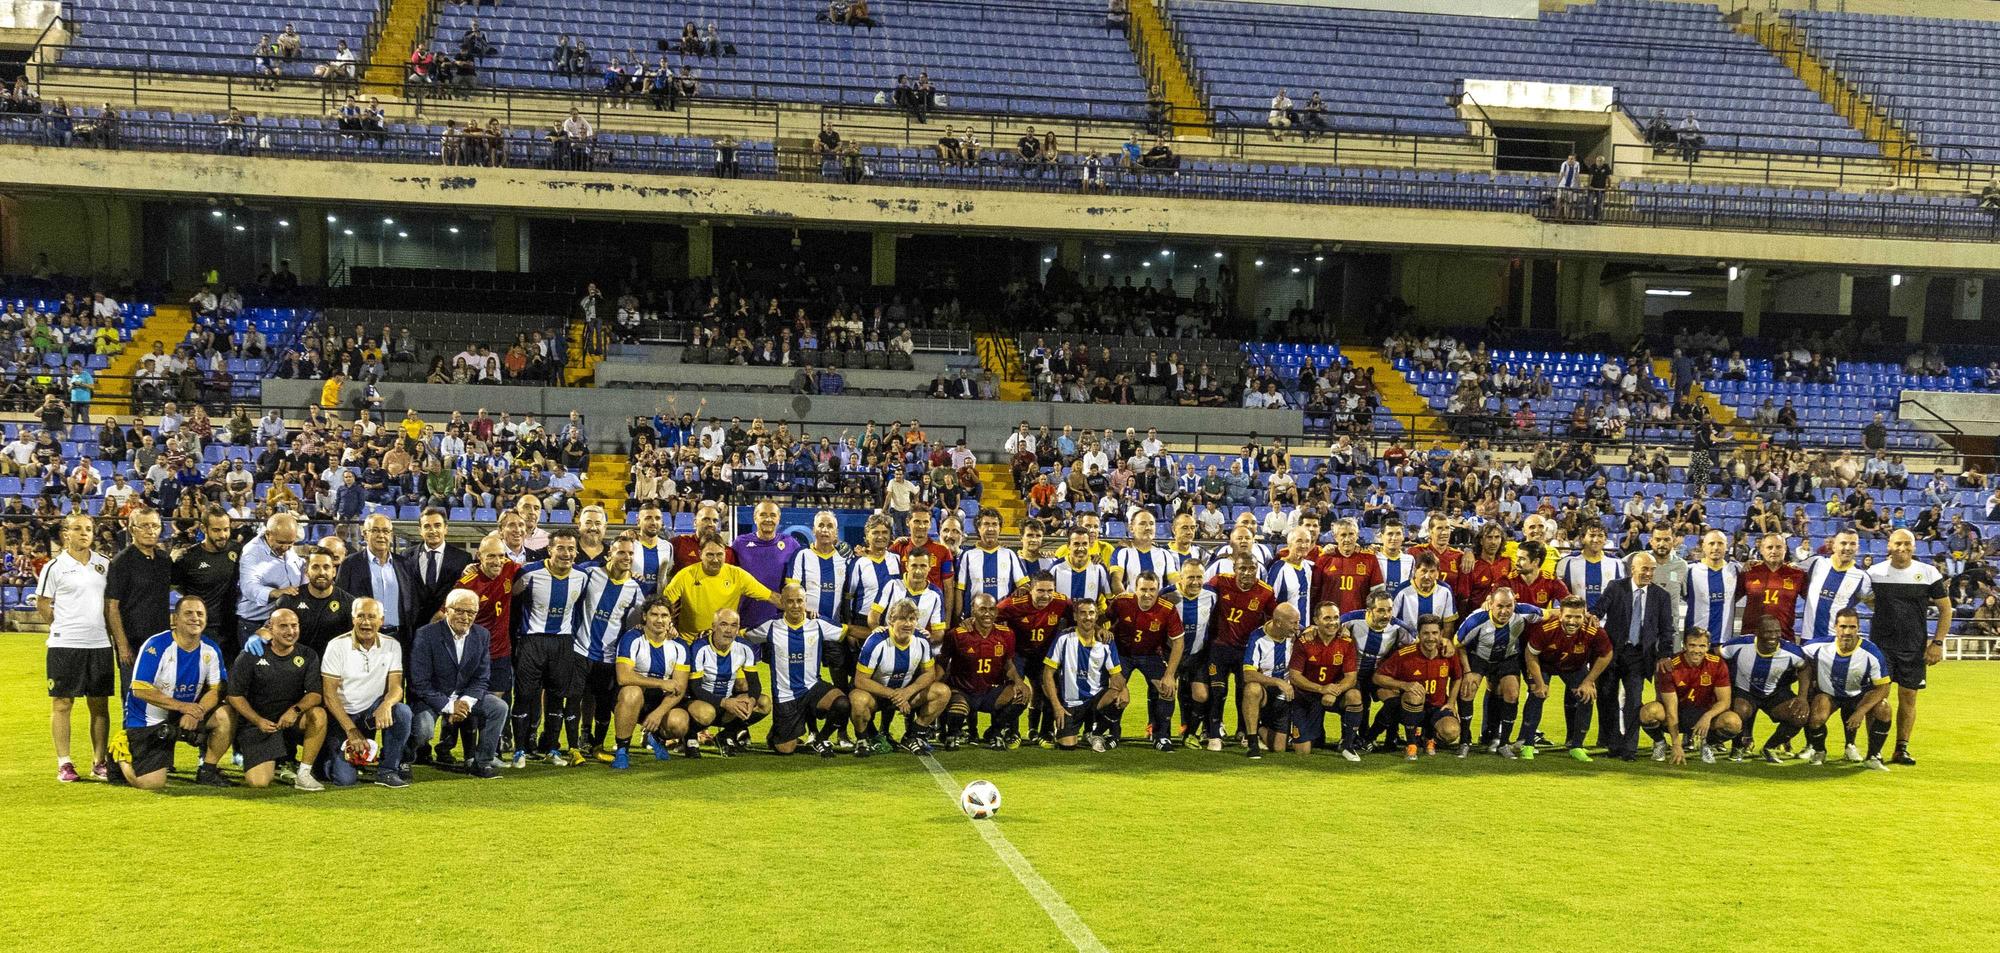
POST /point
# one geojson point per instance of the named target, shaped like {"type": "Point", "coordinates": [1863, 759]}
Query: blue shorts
{"type": "Point", "coordinates": [1308, 718]}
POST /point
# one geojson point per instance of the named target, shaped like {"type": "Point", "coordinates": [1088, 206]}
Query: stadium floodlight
{"type": "Point", "coordinates": [1732, 272]}
{"type": "Point", "coordinates": [1106, 256]}
{"type": "Point", "coordinates": [402, 234]}
{"type": "Point", "coordinates": [453, 229]}
{"type": "Point", "coordinates": [284, 223]}
{"type": "Point", "coordinates": [348, 232]}
{"type": "Point", "coordinates": [238, 227]}
{"type": "Point", "coordinates": [388, 221]}
{"type": "Point", "coordinates": [1895, 281]}
{"type": "Point", "coordinates": [215, 213]}
{"type": "Point", "coordinates": [333, 219]}
{"type": "Point", "coordinates": [1260, 262]}
{"type": "Point", "coordinates": [1669, 292]}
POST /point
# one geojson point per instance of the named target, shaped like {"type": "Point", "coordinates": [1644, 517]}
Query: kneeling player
{"type": "Point", "coordinates": [1571, 647]}
{"type": "Point", "coordinates": [1850, 676]}
{"type": "Point", "coordinates": [1081, 679]}
{"type": "Point", "coordinates": [1764, 671]}
{"type": "Point", "coordinates": [1267, 682]}
{"type": "Point", "coordinates": [276, 699]}
{"type": "Point", "coordinates": [1323, 679]}
{"type": "Point", "coordinates": [1424, 676]}
{"type": "Point", "coordinates": [1693, 698]}
{"type": "Point", "coordinates": [983, 675]}
{"type": "Point", "coordinates": [175, 697]}
{"type": "Point", "coordinates": [895, 671]}
{"type": "Point", "coordinates": [792, 647]}
{"type": "Point", "coordinates": [652, 671]}
{"type": "Point", "coordinates": [725, 691]}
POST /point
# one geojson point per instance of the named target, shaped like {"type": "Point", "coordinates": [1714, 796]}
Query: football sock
{"type": "Point", "coordinates": [1350, 726]}
{"type": "Point", "coordinates": [1779, 738]}
{"type": "Point", "coordinates": [1506, 721]}
{"type": "Point", "coordinates": [954, 718]}
{"type": "Point", "coordinates": [1576, 720]}
{"type": "Point", "coordinates": [1656, 733]}
{"type": "Point", "coordinates": [624, 742]}
{"type": "Point", "coordinates": [1008, 720]}
{"type": "Point", "coordinates": [1110, 720]}
{"type": "Point", "coordinates": [1816, 737]}
{"type": "Point", "coordinates": [1878, 735]}
{"type": "Point", "coordinates": [1385, 719]}
{"type": "Point", "coordinates": [1849, 726]}
{"type": "Point", "coordinates": [1465, 714]}
{"type": "Point", "coordinates": [1412, 720]}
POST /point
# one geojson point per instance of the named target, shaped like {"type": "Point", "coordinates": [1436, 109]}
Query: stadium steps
{"type": "Point", "coordinates": [604, 484]}
{"type": "Point", "coordinates": [168, 327]}
{"type": "Point", "coordinates": [1000, 355]}
{"type": "Point", "coordinates": [1401, 399]}
{"type": "Point", "coordinates": [582, 368]}
{"type": "Point", "coordinates": [999, 493]}
{"type": "Point", "coordinates": [1717, 410]}
{"type": "Point", "coordinates": [402, 23]}
{"type": "Point", "coordinates": [1788, 43]}
{"type": "Point", "coordinates": [1153, 45]}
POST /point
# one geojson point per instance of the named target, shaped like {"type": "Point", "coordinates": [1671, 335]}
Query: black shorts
{"type": "Point", "coordinates": [1307, 718]}
{"type": "Point", "coordinates": [1153, 667]}
{"type": "Point", "coordinates": [987, 701]}
{"type": "Point", "coordinates": [1494, 670]}
{"type": "Point", "coordinates": [792, 718]}
{"type": "Point", "coordinates": [650, 698]}
{"type": "Point", "coordinates": [712, 698]}
{"type": "Point", "coordinates": [152, 749]}
{"type": "Point", "coordinates": [1076, 713]}
{"type": "Point", "coordinates": [1768, 703]}
{"type": "Point", "coordinates": [1194, 665]}
{"type": "Point", "coordinates": [1848, 707]}
{"type": "Point", "coordinates": [1225, 662]}
{"type": "Point", "coordinates": [1276, 712]}
{"type": "Point", "coordinates": [583, 678]}
{"type": "Point", "coordinates": [82, 673]}
{"type": "Point", "coordinates": [261, 747]}
{"type": "Point", "coordinates": [500, 676]}
{"type": "Point", "coordinates": [1906, 664]}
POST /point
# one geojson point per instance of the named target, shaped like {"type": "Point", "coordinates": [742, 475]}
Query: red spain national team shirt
{"type": "Point", "coordinates": [1436, 675]}
{"type": "Point", "coordinates": [1543, 593]}
{"type": "Point", "coordinates": [1143, 631]}
{"type": "Point", "coordinates": [1345, 580]}
{"type": "Point", "coordinates": [1325, 663]}
{"type": "Point", "coordinates": [1033, 628]}
{"type": "Point", "coordinates": [1486, 574]}
{"type": "Point", "coordinates": [1694, 685]}
{"type": "Point", "coordinates": [1239, 611]}
{"type": "Point", "coordinates": [978, 662]}
{"type": "Point", "coordinates": [1559, 651]}
{"type": "Point", "coordinates": [496, 600]}
{"type": "Point", "coordinates": [1772, 592]}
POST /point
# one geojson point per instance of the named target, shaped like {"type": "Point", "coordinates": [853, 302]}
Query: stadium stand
{"type": "Point", "coordinates": [220, 37]}
{"type": "Point", "coordinates": [1935, 76]}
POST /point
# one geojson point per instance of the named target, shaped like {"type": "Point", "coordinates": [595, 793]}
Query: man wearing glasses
{"type": "Point", "coordinates": [267, 572]}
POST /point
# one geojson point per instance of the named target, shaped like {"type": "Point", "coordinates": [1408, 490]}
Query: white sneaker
{"type": "Point", "coordinates": [1464, 749]}
{"type": "Point", "coordinates": [1660, 751]}
{"type": "Point", "coordinates": [305, 781]}
{"type": "Point", "coordinates": [1814, 756]}
{"type": "Point", "coordinates": [520, 760]}
{"type": "Point", "coordinates": [1350, 754]}
{"type": "Point", "coordinates": [287, 774]}
{"type": "Point", "coordinates": [1854, 754]}
{"type": "Point", "coordinates": [558, 759]}
{"type": "Point", "coordinates": [1875, 764]}
{"type": "Point", "coordinates": [1097, 743]}
{"type": "Point", "coordinates": [1707, 754]}
{"type": "Point", "coordinates": [1214, 744]}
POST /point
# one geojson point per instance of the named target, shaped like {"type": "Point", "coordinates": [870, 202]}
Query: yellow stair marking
{"type": "Point", "coordinates": [1717, 410]}
{"type": "Point", "coordinates": [1001, 357]}
{"type": "Point", "coordinates": [604, 484]}
{"type": "Point", "coordinates": [1153, 43]}
{"type": "Point", "coordinates": [999, 493]}
{"type": "Point", "coordinates": [168, 326]}
{"type": "Point", "coordinates": [582, 367]}
{"type": "Point", "coordinates": [1411, 410]}
{"type": "Point", "coordinates": [388, 60]}
{"type": "Point", "coordinates": [1874, 124]}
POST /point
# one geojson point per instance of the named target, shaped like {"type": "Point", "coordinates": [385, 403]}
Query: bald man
{"type": "Point", "coordinates": [266, 572]}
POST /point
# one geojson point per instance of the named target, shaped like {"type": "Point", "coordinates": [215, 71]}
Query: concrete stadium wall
{"type": "Point", "coordinates": [1948, 412]}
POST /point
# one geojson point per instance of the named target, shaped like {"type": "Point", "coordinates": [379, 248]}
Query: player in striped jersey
{"type": "Point", "coordinates": [896, 672]}
{"type": "Point", "coordinates": [1395, 566]}
{"type": "Point", "coordinates": [1242, 539]}
{"type": "Point", "coordinates": [546, 596]}
{"type": "Point", "coordinates": [653, 554]}
{"type": "Point", "coordinates": [1491, 640]}
{"type": "Point", "coordinates": [1196, 604]}
{"type": "Point", "coordinates": [989, 566]}
{"type": "Point", "coordinates": [1763, 673]}
{"type": "Point", "coordinates": [1712, 587]}
{"type": "Point", "coordinates": [1183, 546]}
{"type": "Point", "coordinates": [1692, 703]}
{"type": "Point", "coordinates": [175, 697]}
{"type": "Point", "coordinates": [1426, 595]}
{"type": "Point", "coordinates": [1267, 682]}
{"type": "Point", "coordinates": [652, 682]}
{"type": "Point", "coordinates": [914, 587]}
{"type": "Point", "coordinates": [1033, 554]}
{"type": "Point", "coordinates": [724, 690]}
{"type": "Point", "coordinates": [1292, 576]}
{"type": "Point", "coordinates": [1142, 555]}
{"type": "Point", "coordinates": [1376, 634]}
{"type": "Point", "coordinates": [610, 593]}
{"type": "Point", "coordinates": [1848, 675]}
{"type": "Point", "coordinates": [1081, 678]}
{"type": "Point", "coordinates": [792, 645]}
{"type": "Point", "coordinates": [1078, 577]}
{"type": "Point", "coordinates": [1323, 677]}
{"type": "Point", "coordinates": [1097, 549]}
{"type": "Point", "coordinates": [820, 571]}
{"type": "Point", "coordinates": [1589, 570]}
{"type": "Point", "coordinates": [1833, 583]}
{"type": "Point", "coordinates": [590, 544]}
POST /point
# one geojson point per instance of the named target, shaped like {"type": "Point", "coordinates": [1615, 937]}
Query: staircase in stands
{"type": "Point", "coordinates": [604, 484]}
{"type": "Point", "coordinates": [1788, 42]}
{"type": "Point", "coordinates": [168, 327]}
{"type": "Point", "coordinates": [583, 361]}
{"type": "Point", "coordinates": [1717, 410]}
{"type": "Point", "coordinates": [1000, 355]}
{"type": "Point", "coordinates": [1411, 410]}
{"type": "Point", "coordinates": [402, 24]}
{"type": "Point", "coordinates": [1153, 43]}
{"type": "Point", "coordinates": [997, 481]}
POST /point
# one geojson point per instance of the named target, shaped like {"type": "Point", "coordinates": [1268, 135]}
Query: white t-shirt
{"type": "Point", "coordinates": [77, 589]}
{"type": "Point", "coordinates": [363, 673]}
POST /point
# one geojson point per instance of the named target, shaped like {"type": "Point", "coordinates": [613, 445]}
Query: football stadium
{"type": "Point", "coordinates": [999, 474]}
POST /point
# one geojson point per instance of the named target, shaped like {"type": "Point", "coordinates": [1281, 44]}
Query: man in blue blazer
{"type": "Point", "coordinates": [449, 670]}
{"type": "Point", "coordinates": [1638, 617]}
{"type": "Point", "coordinates": [374, 572]}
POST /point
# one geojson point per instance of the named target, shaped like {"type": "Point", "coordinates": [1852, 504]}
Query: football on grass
{"type": "Point", "coordinates": [980, 799]}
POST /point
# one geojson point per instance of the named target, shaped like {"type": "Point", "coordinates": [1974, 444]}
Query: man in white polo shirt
{"type": "Point", "coordinates": [69, 595]}
{"type": "Point", "coordinates": [363, 672]}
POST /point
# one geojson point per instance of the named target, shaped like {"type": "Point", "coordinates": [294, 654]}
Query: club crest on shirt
{"type": "Point", "coordinates": [298, 661]}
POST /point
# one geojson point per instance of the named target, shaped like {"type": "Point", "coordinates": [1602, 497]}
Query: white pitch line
{"type": "Point", "coordinates": [1052, 903]}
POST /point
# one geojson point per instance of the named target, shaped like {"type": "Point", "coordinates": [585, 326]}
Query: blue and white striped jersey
{"type": "Point", "coordinates": [1092, 583]}
{"type": "Point", "coordinates": [644, 658]}
{"type": "Point", "coordinates": [930, 605]}
{"type": "Point", "coordinates": [866, 576]}
{"type": "Point", "coordinates": [1586, 577]}
{"type": "Point", "coordinates": [1222, 562]}
{"type": "Point", "coordinates": [716, 671]}
{"type": "Point", "coordinates": [793, 653]}
{"type": "Point", "coordinates": [1396, 570]}
{"type": "Point", "coordinates": [992, 571]}
{"type": "Point", "coordinates": [1482, 639]}
{"type": "Point", "coordinates": [1754, 672]}
{"type": "Point", "coordinates": [1829, 590]}
{"type": "Point", "coordinates": [545, 603]}
{"type": "Point", "coordinates": [1132, 561]}
{"type": "Point", "coordinates": [1267, 655]}
{"type": "Point", "coordinates": [1411, 605]}
{"type": "Point", "coordinates": [1082, 668]}
{"type": "Point", "coordinates": [1845, 676]}
{"type": "Point", "coordinates": [653, 563]}
{"type": "Point", "coordinates": [601, 613]}
{"type": "Point", "coordinates": [892, 665]}
{"type": "Point", "coordinates": [1293, 583]}
{"type": "Point", "coordinates": [1043, 563]}
{"type": "Point", "coordinates": [1711, 595]}
{"type": "Point", "coordinates": [1195, 612]}
{"type": "Point", "coordinates": [1195, 554]}
{"type": "Point", "coordinates": [1373, 645]}
{"type": "Point", "coordinates": [181, 674]}
{"type": "Point", "coordinates": [823, 577]}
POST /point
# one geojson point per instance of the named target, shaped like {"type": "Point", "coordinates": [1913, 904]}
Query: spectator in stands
{"type": "Point", "coordinates": [725, 158]}
{"type": "Point", "coordinates": [1028, 149]}
{"type": "Point", "coordinates": [340, 66]}
{"type": "Point", "coordinates": [422, 64]}
{"type": "Point", "coordinates": [1090, 174]}
{"type": "Point", "coordinates": [951, 148]}
{"type": "Point", "coordinates": [1281, 115]}
{"type": "Point", "coordinates": [1989, 197]}
{"type": "Point", "coordinates": [264, 60]}
{"type": "Point", "coordinates": [1312, 117]}
{"type": "Point", "coordinates": [1568, 177]}
{"type": "Point", "coordinates": [1599, 173]}
{"type": "Point", "coordinates": [235, 140]}
{"type": "Point", "coordinates": [1160, 158]}
{"type": "Point", "coordinates": [290, 44]}
{"type": "Point", "coordinates": [1117, 14]}
{"type": "Point", "coordinates": [474, 44]}
{"type": "Point", "coordinates": [1690, 139]}
{"type": "Point", "coordinates": [826, 145]}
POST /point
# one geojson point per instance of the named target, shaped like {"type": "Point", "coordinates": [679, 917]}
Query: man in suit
{"type": "Point", "coordinates": [434, 567]}
{"type": "Point", "coordinates": [448, 678]}
{"type": "Point", "coordinates": [1636, 614]}
{"type": "Point", "coordinates": [374, 572]}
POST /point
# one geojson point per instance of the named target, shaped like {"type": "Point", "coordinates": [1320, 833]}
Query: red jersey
{"type": "Point", "coordinates": [1143, 631]}
{"type": "Point", "coordinates": [1436, 675]}
{"type": "Point", "coordinates": [1694, 685]}
{"type": "Point", "coordinates": [1325, 663]}
{"type": "Point", "coordinates": [1034, 629]}
{"type": "Point", "coordinates": [1559, 651]}
{"type": "Point", "coordinates": [1772, 592]}
{"type": "Point", "coordinates": [943, 565]}
{"type": "Point", "coordinates": [496, 599]}
{"type": "Point", "coordinates": [978, 663]}
{"type": "Point", "coordinates": [1239, 611]}
{"type": "Point", "coordinates": [687, 552]}
{"type": "Point", "coordinates": [1487, 574]}
{"type": "Point", "coordinates": [1543, 593]}
{"type": "Point", "coordinates": [1345, 580]}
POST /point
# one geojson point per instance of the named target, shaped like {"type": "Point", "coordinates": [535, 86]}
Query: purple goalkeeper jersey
{"type": "Point", "coordinates": [767, 560]}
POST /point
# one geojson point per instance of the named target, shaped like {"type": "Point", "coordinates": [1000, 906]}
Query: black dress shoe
{"type": "Point", "coordinates": [483, 769]}
{"type": "Point", "coordinates": [445, 758]}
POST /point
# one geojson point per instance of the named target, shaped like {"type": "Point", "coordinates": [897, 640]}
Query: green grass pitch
{"type": "Point", "coordinates": [1189, 851]}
